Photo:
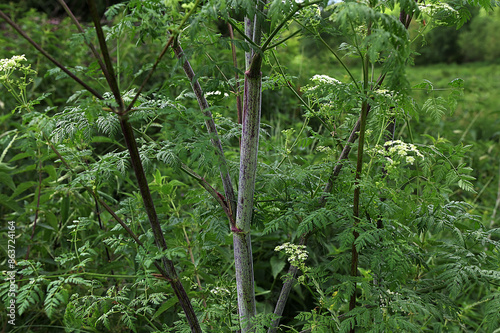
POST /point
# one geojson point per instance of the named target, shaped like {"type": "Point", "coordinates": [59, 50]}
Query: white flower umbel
{"type": "Point", "coordinates": [15, 77]}
{"type": "Point", "coordinates": [385, 93]}
{"type": "Point", "coordinates": [325, 79]}
{"type": "Point", "coordinates": [402, 148]}
{"type": "Point", "coordinates": [297, 254]}
{"type": "Point", "coordinates": [7, 65]}
{"type": "Point", "coordinates": [397, 150]}
{"type": "Point", "coordinates": [434, 8]}
{"type": "Point", "coordinates": [219, 291]}
{"type": "Point", "coordinates": [322, 81]}
{"type": "Point", "coordinates": [215, 93]}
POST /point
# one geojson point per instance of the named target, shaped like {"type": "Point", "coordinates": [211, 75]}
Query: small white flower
{"type": "Point", "coordinates": [432, 8]}
{"type": "Point", "coordinates": [394, 142]}
{"type": "Point", "coordinates": [9, 64]}
{"type": "Point", "coordinates": [325, 79]}
{"type": "Point", "coordinates": [219, 291]}
{"type": "Point", "coordinates": [324, 149]}
{"type": "Point", "coordinates": [297, 254]}
{"type": "Point", "coordinates": [384, 92]}
{"type": "Point", "coordinates": [394, 150]}
{"type": "Point", "coordinates": [215, 93]}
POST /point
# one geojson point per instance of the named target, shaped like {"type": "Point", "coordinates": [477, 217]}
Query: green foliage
{"type": "Point", "coordinates": [425, 235]}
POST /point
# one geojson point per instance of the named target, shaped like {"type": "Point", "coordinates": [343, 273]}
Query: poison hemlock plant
{"type": "Point", "coordinates": [162, 202]}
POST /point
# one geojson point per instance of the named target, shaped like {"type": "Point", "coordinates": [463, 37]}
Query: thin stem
{"type": "Point", "coordinates": [89, 43]}
{"type": "Point", "coordinates": [172, 38]}
{"type": "Point", "coordinates": [249, 40]}
{"type": "Point", "coordinates": [281, 71]}
{"type": "Point", "coordinates": [295, 33]}
{"type": "Point", "coordinates": [212, 191]}
{"type": "Point", "coordinates": [276, 30]}
{"type": "Point", "coordinates": [285, 292]}
{"type": "Point", "coordinates": [202, 181]}
{"type": "Point", "coordinates": [158, 59]}
{"type": "Point", "coordinates": [304, 124]}
{"type": "Point", "coordinates": [101, 226]}
{"type": "Point", "coordinates": [212, 131]}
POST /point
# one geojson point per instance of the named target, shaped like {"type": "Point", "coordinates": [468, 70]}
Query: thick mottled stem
{"type": "Point", "coordinates": [248, 168]}
{"type": "Point", "coordinates": [249, 33]}
{"type": "Point", "coordinates": [214, 137]}
{"type": "Point", "coordinates": [243, 262]}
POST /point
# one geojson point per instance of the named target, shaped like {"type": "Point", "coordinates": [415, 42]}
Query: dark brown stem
{"type": "Point", "coordinates": [168, 265]}
{"type": "Point", "coordinates": [109, 73]}
{"type": "Point", "coordinates": [128, 134]}
{"type": "Point", "coordinates": [48, 56]}
{"type": "Point", "coordinates": [135, 158]}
